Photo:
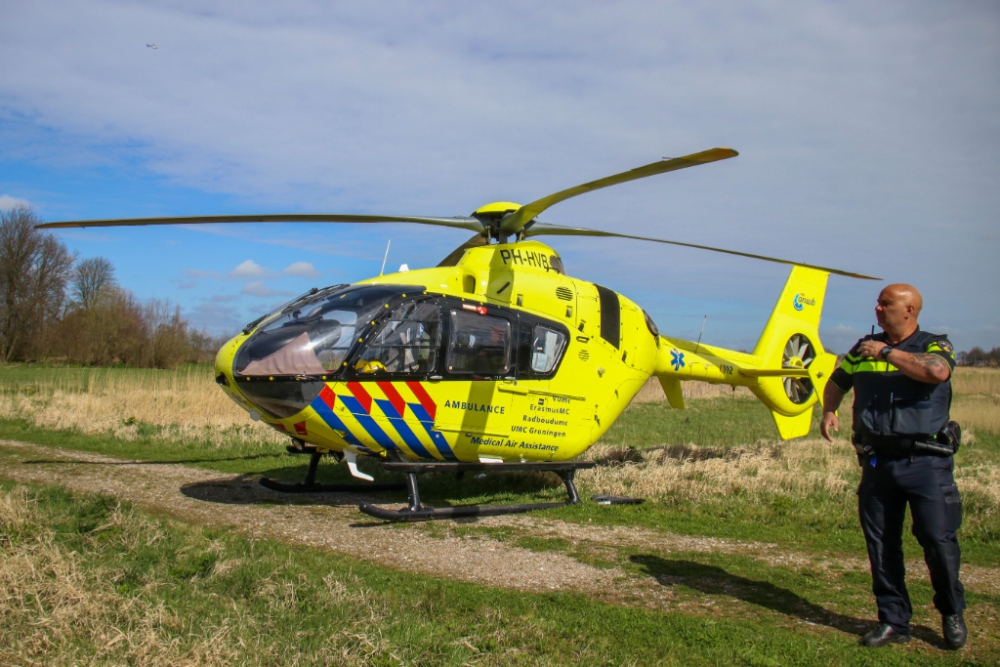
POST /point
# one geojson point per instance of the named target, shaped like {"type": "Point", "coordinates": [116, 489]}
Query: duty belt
{"type": "Point", "coordinates": [899, 447]}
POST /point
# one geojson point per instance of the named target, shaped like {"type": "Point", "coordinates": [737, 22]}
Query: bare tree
{"type": "Point", "coordinates": [93, 281]}
{"type": "Point", "coordinates": [34, 269]}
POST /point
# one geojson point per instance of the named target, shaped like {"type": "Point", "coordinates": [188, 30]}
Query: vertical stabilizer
{"type": "Point", "coordinates": [790, 342]}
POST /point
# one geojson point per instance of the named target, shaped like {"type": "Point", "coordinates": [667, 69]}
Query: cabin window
{"type": "Point", "coordinates": [479, 344]}
{"type": "Point", "coordinates": [546, 348]}
{"type": "Point", "coordinates": [314, 336]}
{"type": "Point", "coordinates": [407, 343]}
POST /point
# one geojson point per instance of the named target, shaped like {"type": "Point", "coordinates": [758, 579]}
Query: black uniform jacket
{"type": "Point", "coordinates": [887, 402]}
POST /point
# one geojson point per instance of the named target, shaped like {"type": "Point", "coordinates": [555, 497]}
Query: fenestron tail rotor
{"type": "Point", "coordinates": [798, 353]}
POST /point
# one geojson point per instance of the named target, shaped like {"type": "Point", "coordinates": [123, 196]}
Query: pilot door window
{"type": "Point", "coordinates": [546, 349]}
{"type": "Point", "coordinates": [540, 349]}
{"type": "Point", "coordinates": [479, 344]}
{"type": "Point", "coordinates": [407, 344]}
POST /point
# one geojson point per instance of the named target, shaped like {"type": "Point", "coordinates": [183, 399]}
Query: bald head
{"type": "Point", "coordinates": [906, 293]}
{"type": "Point", "coordinates": [898, 308]}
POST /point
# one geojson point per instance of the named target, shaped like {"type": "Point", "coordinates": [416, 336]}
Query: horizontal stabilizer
{"type": "Point", "coordinates": [775, 372]}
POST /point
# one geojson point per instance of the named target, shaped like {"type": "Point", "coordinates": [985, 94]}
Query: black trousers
{"type": "Point", "coordinates": [925, 482]}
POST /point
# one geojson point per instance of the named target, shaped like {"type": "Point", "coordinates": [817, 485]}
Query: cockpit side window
{"type": "Point", "coordinates": [540, 349]}
{"type": "Point", "coordinates": [315, 336]}
{"type": "Point", "coordinates": [479, 344]}
{"type": "Point", "coordinates": [546, 348]}
{"type": "Point", "coordinates": [408, 342]}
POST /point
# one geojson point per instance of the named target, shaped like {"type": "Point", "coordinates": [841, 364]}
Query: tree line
{"type": "Point", "coordinates": [54, 307]}
{"type": "Point", "coordinates": [977, 356]}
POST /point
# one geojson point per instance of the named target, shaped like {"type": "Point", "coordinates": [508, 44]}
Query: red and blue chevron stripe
{"type": "Point", "coordinates": [359, 403]}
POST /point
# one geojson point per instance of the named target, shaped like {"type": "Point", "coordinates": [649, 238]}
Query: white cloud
{"type": "Point", "coordinates": [304, 269]}
{"type": "Point", "coordinates": [6, 201]}
{"type": "Point", "coordinates": [198, 273]}
{"type": "Point", "coordinates": [216, 317]}
{"type": "Point", "coordinates": [250, 269]}
{"type": "Point", "coordinates": [259, 289]}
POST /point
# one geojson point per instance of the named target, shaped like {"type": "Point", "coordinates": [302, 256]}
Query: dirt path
{"type": "Point", "coordinates": [214, 499]}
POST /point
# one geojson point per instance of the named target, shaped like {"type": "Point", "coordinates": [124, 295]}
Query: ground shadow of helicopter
{"type": "Point", "coordinates": [712, 580]}
{"type": "Point", "coordinates": [441, 487]}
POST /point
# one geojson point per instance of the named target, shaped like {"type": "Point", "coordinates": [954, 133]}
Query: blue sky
{"type": "Point", "coordinates": [868, 135]}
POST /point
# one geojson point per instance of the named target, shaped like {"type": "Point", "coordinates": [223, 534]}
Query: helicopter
{"type": "Point", "coordinates": [495, 359]}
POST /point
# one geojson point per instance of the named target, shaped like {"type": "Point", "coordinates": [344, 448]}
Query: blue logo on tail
{"type": "Point", "coordinates": [800, 301]}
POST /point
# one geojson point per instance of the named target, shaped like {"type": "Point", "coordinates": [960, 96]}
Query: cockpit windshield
{"type": "Point", "coordinates": [315, 336]}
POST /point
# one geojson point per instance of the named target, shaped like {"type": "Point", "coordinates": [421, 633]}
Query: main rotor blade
{"type": "Point", "coordinates": [544, 228]}
{"type": "Point", "coordinates": [456, 255]}
{"type": "Point", "coordinates": [462, 223]}
{"type": "Point", "coordinates": [519, 218]}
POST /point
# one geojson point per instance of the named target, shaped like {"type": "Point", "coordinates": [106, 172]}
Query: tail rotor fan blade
{"type": "Point", "coordinates": [798, 353]}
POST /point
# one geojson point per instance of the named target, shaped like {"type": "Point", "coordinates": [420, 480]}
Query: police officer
{"type": "Point", "coordinates": [902, 393]}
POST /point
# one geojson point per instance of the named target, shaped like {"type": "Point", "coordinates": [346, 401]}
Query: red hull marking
{"type": "Point", "coordinates": [328, 397]}
{"type": "Point", "coordinates": [394, 397]}
{"type": "Point", "coordinates": [425, 399]}
{"type": "Point", "coordinates": [364, 398]}
{"type": "Point", "coordinates": [300, 428]}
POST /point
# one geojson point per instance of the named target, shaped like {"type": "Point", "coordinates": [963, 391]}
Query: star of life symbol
{"type": "Point", "coordinates": [676, 359]}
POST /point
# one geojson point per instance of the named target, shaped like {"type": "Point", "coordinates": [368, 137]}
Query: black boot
{"type": "Point", "coordinates": [885, 634]}
{"type": "Point", "coordinates": [955, 632]}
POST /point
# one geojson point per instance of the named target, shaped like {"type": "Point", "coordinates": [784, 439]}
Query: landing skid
{"type": "Point", "coordinates": [418, 512]}
{"type": "Point", "coordinates": [310, 485]}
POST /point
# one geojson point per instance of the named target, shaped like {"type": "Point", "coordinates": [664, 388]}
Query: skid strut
{"type": "Point", "coordinates": [418, 512]}
{"type": "Point", "coordinates": [310, 485]}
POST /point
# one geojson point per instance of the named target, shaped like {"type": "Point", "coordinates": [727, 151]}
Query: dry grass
{"type": "Point", "coordinates": [652, 392]}
{"type": "Point", "coordinates": [977, 400]}
{"type": "Point", "coordinates": [59, 608]}
{"type": "Point", "coordinates": [796, 468]}
{"type": "Point", "coordinates": [691, 473]}
{"type": "Point", "coordinates": [194, 407]}
{"type": "Point", "coordinates": [977, 381]}
{"type": "Point", "coordinates": [120, 404]}
{"type": "Point", "coordinates": [68, 613]}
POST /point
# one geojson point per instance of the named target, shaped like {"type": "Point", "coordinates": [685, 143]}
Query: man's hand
{"type": "Point", "coordinates": [829, 424]}
{"type": "Point", "coordinates": [929, 368]}
{"type": "Point", "coordinates": [872, 348]}
{"type": "Point", "coordinates": [832, 397]}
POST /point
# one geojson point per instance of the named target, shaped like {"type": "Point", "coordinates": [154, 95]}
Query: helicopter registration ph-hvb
{"type": "Point", "coordinates": [494, 358]}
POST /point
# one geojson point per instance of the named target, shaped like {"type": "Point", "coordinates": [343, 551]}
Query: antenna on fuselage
{"type": "Point", "coordinates": [382, 270]}
{"type": "Point", "coordinates": [700, 333]}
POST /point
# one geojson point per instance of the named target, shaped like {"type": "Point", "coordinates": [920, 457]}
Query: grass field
{"type": "Point", "coordinates": [713, 472]}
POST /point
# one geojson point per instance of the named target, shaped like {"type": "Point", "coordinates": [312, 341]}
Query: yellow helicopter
{"type": "Point", "coordinates": [495, 359]}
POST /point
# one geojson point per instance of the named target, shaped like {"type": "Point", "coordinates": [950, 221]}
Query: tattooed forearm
{"type": "Point", "coordinates": [931, 362]}
{"type": "Point", "coordinates": [922, 366]}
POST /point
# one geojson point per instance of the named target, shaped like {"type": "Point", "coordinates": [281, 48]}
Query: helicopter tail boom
{"type": "Point", "coordinates": [787, 370]}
